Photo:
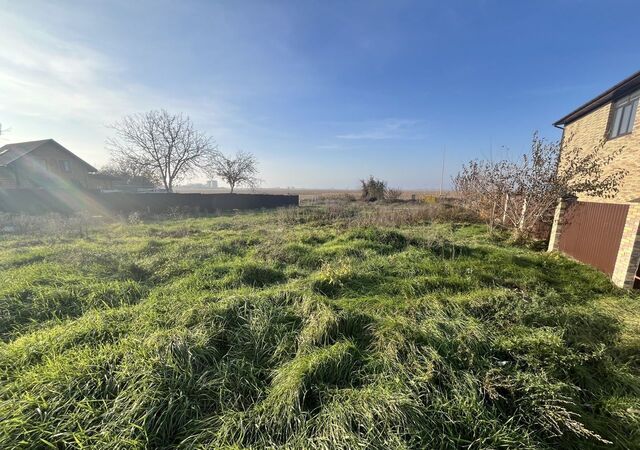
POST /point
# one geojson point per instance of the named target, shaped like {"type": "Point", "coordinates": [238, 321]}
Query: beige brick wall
{"type": "Point", "coordinates": [556, 228]}
{"type": "Point", "coordinates": [589, 130]}
{"type": "Point", "coordinates": [629, 252]}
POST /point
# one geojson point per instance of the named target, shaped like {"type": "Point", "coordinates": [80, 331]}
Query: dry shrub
{"type": "Point", "coordinates": [521, 194]}
{"type": "Point", "coordinates": [393, 195]}
{"type": "Point", "coordinates": [328, 199]}
{"type": "Point", "coordinates": [52, 224]}
{"type": "Point", "coordinates": [316, 214]}
{"type": "Point", "coordinates": [410, 215]}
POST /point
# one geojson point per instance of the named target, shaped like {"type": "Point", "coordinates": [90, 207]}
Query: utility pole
{"type": "Point", "coordinates": [444, 152]}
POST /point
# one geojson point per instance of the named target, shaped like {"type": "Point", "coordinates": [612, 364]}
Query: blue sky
{"type": "Point", "coordinates": [322, 92]}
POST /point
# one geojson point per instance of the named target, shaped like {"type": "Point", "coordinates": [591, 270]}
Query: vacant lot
{"type": "Point", "coordinates": [310, 329]}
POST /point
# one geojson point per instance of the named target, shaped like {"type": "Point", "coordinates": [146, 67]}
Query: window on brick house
{"type": "Point", "coordinates": [624, 114]}
{"type": "Point", "coordinates": [65, 166]}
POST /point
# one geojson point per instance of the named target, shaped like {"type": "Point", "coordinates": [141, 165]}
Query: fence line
{"type": "Point", "coordinates": [38, 201]}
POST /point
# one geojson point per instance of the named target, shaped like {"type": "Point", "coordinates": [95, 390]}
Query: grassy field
{"type": "Point", "coordinates": [310, 328]}
{"type": "Point", "coordinates": [314, 196]}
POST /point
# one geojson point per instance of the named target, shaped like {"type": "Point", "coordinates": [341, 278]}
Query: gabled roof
{"type": "Point", "coordinates": [12, 152]}
{"type": "Point", "coordinates": [626, 86]}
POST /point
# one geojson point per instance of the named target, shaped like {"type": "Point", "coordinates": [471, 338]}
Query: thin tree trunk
{"type": "Point", "coordinates": [493, 214]}
{"type": "Point", "coordinates": [504, 211]}
{"type": "Point", "coordinates": [522, 214]}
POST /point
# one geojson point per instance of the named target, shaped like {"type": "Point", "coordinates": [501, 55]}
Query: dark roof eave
{"type": "Point", "coordinates": [618, 90]}
{"type": "Point", "coordinates": [91, 168]}
{"type": "Point", "coordinates": [42, 142]}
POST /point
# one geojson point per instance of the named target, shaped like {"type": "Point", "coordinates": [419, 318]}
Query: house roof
{"type": "Point", "coordinates": [626, 86]}
{"type": "Point", "coordinates": [12, 152]}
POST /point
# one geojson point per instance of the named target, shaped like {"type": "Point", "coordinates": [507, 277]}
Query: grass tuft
{"type": "Point", "coordinates": [360, 327]}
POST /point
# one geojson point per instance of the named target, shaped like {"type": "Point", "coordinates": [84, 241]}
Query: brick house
{"type": "Point", "coordinates": [42, 164]}
{"type": "Point", "coordinates": [605, 232]}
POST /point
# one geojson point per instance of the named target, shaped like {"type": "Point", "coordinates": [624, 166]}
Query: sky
{"type": "Point", "coordinates": [324, 93]}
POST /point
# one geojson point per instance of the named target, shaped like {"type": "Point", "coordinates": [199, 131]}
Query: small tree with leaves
{"type": "Point", "coordinates": [166, 145]}
{"type": "Point", "coordinates": [373, 189]}
{"type": "Point", "coordinates": [522, 194]}
{"type": "Point", "coordinates": [236, 171]}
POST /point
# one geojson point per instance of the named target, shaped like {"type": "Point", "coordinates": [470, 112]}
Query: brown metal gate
{"type": "Point", "coordinates": [591, 233]}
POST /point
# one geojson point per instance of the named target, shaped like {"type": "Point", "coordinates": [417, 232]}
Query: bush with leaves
{"type": "Point", "coordinates": [373, 189]}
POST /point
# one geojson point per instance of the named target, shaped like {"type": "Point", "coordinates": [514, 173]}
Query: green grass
{"type": "Point", "coordinates": [307, 330]}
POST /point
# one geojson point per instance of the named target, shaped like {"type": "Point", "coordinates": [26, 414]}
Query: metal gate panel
{"type": "Point", "coordinates": [591, 233]}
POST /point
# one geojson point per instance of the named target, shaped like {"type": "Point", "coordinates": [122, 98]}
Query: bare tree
{"type": "Point", "coordinates": [240, 170]}
{"type": "Point", "coordinates": [163, 144]}
{"type": "Point", "coordinates": [483, 187]}
{"type": "Point", "coordinates": [393, 194]}
{"type": "Point", "coordinates": [522, 194]}
{"type": "Point", "coordinates": [131, 173]}
{"type": "Point", "coordinates": [4, 131]}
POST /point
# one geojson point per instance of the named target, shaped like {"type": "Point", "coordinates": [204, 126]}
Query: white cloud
{"type": "Point", "coordinates": [332, 147]}
{"type": "Point", "coordinates": [386, 129]}
{"type": "Point", "coordinates": [41, 75]}
{"type": "Point", "coordinates": [56, 88]}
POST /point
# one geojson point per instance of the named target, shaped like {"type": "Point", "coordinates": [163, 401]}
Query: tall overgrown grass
{"type": "Point", "coordinates": [350, 215]}
{"type": "Point", "coordinates": [311, 328]}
